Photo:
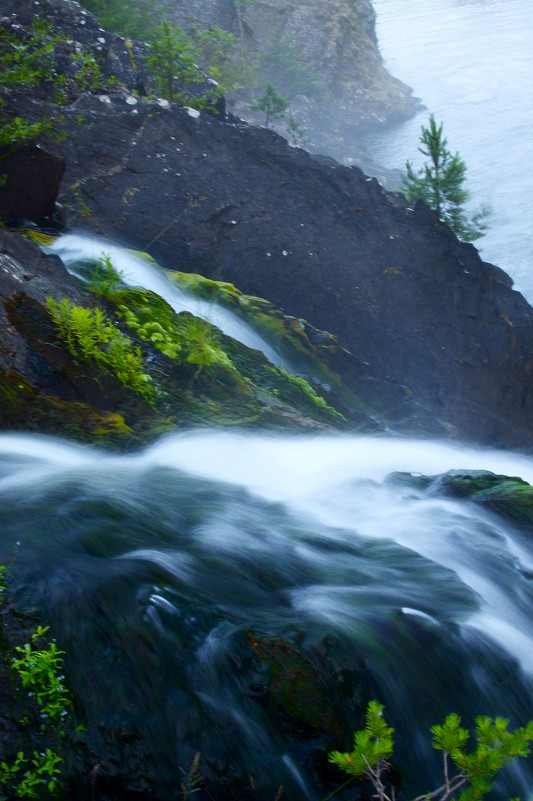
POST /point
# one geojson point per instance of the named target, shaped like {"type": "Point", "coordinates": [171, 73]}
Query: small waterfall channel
{"type": "Point", "coordinates": [134, 270]}
{"type": "Point", "coordinates": [243, 596]}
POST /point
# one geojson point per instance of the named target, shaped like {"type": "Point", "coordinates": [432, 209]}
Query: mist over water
{"type": "Point", "coordinates": [471, 64]}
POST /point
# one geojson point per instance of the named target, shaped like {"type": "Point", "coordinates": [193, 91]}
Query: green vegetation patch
{"type": "Point", "coordinates": [183, 337]}
{"type": "Point", "coordinates": [29, 59]}
{"type": "Point", "coordinates": [310, 351]}
{"type": "Point", "coordinates": [192, 340]}
{"type": "Point", "coordinates": [88, 334]}
{"type": "Point", "coordinates": [33, 762]}
{"type": "Point", "coordinates": [470, 771]}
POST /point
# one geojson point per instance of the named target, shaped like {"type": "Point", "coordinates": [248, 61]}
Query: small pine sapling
{"type": "Point", "coordinates": [440, 184]}
{"type": "Point", "coordinates": [472, 772]}
{"type": "Point", "coordinates": [272, 103]}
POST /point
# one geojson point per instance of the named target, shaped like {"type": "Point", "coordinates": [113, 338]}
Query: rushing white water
{"type": "Point", "coordinates": [137, 271]}
{"type": "Point", "coordinates": [319, 477]}
{"type": "Point", "coordinates": [471, 63]}
{"type": "Point", "coordinates": [183, 549]}
{"type": "Point", "coordinates": [333, 480]}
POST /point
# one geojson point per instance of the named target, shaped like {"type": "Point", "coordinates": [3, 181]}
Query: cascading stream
{"type": "Point", "coordinates": [194, 566]}
{"type": "Point", "coordinates": [134, 270]}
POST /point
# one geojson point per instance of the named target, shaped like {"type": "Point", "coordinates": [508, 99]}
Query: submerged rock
{"type": "Point", "coordinates": [509, 497]}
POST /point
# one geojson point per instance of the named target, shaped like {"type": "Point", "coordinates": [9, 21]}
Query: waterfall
{"type": "Point", "coordinates": [178, 577]}
{"type": "Point", "coordinates": [135, 270]}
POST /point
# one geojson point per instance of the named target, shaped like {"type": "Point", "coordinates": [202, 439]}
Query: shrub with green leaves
{"type": "Point", "coordinates": [173, 70]}
{"type": "Point", "coordinates": [88, 334]}
{"type": "Point", "coordinates": [472, 771]}
{"type": "Point", "coordinates": [29, 59]}
{"type": "Point", "coordinates": [40, 667]}
{"type": "Point", "coordinates": [221, 56]}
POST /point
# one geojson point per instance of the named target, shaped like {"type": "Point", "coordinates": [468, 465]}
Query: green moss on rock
{"type": "Point", "coordinates": [242, 386]}
{"type": "Point", "coordinates": [311, 352]}
{"type": "Point", "coordinates": [510, 497]}
{"type": "Point", "coordinates": [295, 689]}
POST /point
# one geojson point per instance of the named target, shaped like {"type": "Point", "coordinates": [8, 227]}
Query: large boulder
{"type": "Point", "coordinates": [189, 372]}
{"type": "Point", "coordinates": [32, 177]}
{"type": "Point", "coordinates": [414, 306]}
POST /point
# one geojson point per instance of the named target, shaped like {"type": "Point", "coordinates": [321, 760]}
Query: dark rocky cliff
{"type": "Point", "coordinates": [326, 243]}
{"type": "Point", "coordinates": [439, 341]}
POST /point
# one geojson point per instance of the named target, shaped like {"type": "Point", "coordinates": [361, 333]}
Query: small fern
{"type": "Point", "coordinates": [89, 335]}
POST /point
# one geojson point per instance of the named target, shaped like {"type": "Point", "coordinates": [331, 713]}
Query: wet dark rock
{"type": "Point", "coordinates": [32, 177]}
{"type": "Point", "coordinates": [417, 309]}
{"type": "Point", "coordinates": [433, 339]}
{"type": "Point", "coordinates": [510, 497]}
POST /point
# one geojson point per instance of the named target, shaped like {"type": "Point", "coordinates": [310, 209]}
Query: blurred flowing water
{"type": "Point", "coordinates": [135, 269]}
{"type": "Point", "coordinates": [158, 568]}
{"type": "Point", "coordinates": [471, 64]}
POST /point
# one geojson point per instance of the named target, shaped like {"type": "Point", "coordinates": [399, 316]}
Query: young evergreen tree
{"type": "Point", "coordinates": [440, 184]}
{"type": "Point", "coordinates": [272, 103]}
{"type": "Point", "coordinates": [469, 771]}
{"type": "Point", "coordinates": [170, 61]}
{"type": "Point", "coordinates": [172, 69]}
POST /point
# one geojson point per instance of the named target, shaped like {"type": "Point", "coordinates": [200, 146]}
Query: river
{"type": "Point", "coordinates": [471, 64]}
{"type": "Point", "coordinates": [240, 595]}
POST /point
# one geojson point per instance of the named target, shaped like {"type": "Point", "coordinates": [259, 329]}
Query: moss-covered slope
{"type": "Point", "coordinates": [100, 362]}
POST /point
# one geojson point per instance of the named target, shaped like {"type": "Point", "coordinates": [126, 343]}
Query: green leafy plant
{"type": "Point", "coordinates": [219, 53]}
{"type": "Point", "coordinates": [440, 183]}
{"type": "Point", "coordinates": [272, 103]}
{"type": "Point", "coordinates": [88, 334]}
{"type": "Point", "coordinates": [40, 667]}
{"type": "Point", "coordinates": [26, 777]}
{"type": "Point", "coordinates": [103, 279]}
{"type": "Point", "coordinates": [28, 59]}
{"type": "Point", "coordinates": [471, 772]}
{"type": "Point", "coordinates": [173, 71]}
